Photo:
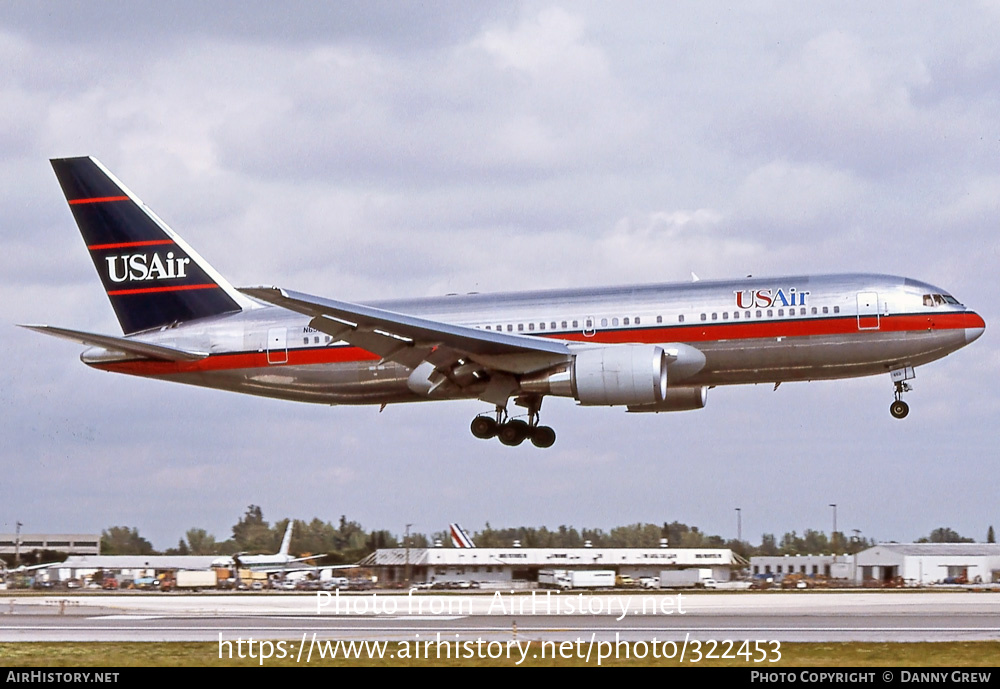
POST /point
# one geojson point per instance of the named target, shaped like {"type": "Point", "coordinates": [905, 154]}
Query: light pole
{"type": "Point", "coordinates": [833, 536]}
{"type": "Point", "coordinates": [17, 545]}
{"type": "Point", "coordinates": [739, 525]}
{"type": "Point", "coordinates": [407, 574]}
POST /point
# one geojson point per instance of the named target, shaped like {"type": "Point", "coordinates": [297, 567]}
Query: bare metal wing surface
{"type": "Point", "coordinates": [119, 344]}
{"type": "Point", "coordinates": [410, 340]}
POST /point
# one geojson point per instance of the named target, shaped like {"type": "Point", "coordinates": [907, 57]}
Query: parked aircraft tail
{"type": "Point", "coordinates": [459, 538]}
{"type": "Point", "coordinates": [152, 277]}
{"type": "Point", "coordinates": [286, 542]}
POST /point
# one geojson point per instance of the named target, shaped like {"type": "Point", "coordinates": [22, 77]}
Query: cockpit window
{"type": "Point", "coordinates": [940, 299]}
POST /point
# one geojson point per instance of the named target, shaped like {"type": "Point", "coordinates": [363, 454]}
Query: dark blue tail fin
{"type": "Point", "coordinates": [152, 277]}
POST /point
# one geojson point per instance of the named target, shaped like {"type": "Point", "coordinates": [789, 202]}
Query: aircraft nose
{"type": "Point", "coordinates": [975, 327]}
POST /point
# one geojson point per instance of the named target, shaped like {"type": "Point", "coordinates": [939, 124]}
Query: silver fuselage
{"type": "Point", "coordinates": [750, 331]}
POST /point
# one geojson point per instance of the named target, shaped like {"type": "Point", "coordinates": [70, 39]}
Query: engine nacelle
{"type": "Point", "coordinates": [619, 374]}
{"type": "Point", "coordinates": [677, 399]}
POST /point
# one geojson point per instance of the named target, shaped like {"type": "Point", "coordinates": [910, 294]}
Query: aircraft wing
{"type": "Point", "coordinates": [119, 344]}
{"type": "Point", "coordinates": [411, 340]}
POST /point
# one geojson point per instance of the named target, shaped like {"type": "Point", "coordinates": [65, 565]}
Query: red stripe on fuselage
{"type": "Point", "coordinates": [98, 199]}
{"type": "Point", "coordinates": [150, 290]}
{"type": "Point", "coordinates": [124, 245]}
{"type": "Point", "coordinates": [842, 325]}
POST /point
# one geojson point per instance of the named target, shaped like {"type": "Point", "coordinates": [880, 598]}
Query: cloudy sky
{"type": "Point", "coordinates": [382, 149]}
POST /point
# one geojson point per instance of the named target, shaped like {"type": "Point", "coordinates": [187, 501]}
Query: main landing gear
{"type": "Point", "coordinates": [514, 431]}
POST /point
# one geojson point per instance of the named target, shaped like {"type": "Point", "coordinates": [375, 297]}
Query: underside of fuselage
{"type": "Point", "coordinates": [728, 362]}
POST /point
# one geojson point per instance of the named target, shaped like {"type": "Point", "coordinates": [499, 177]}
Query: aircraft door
{"type": "Point", "coordinates": [868, 311]}
{"type": "Point", "coordinates": [277, 346]}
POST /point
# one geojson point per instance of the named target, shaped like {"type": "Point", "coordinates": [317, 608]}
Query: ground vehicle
{"type": "Point", "coordinates": [576, 578]}
{"type": "Point", "coordinates": [649, 582]}
{"type": "Point", "coordinates": [190, 579]}
{"type": "Point", "coordinates": [680, 578]}
{"type": "Point", "coordinates": [334, 583]}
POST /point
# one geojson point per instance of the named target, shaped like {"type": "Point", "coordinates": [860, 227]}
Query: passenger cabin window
{"type": "Point", "coordinates": [614, 322]}
{"type": "Point", "coordinates": [836, 309]}
{"type": "Point", "coordinates": [531, 326]}
{"type": "Point", "coordinates": [604, 322]}
{"type": "Point", "coordinates": [625, 321]}
{"type": "Point", "coordinates": [659, 319]}
{"type": "Point", "coordinates": [725, 315]}
{"type": "Point", "coordinates": [636, 321]}
{"type": "Point", "coordinates": [680, 319]}
{"type": "Point", "coordinates": [520, 327]}
{"type": "Point", "coordinates": [704, 317]}
{"type": "Point", "coordinates": [826, 309]}
{"type": "Point", "coordinates": [576, 324]}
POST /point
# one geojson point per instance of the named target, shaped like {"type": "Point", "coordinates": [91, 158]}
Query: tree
{"type": "Point", "coordinates": [252, 533]}
{"type": "Point", "coordinates": [200, 542]}
{"type": "Point", "coordinates": [944, 535]}
{"type": "Point", "coordinates": [122, 540]}
{"type": "Point", "coordinates": [990, 536]}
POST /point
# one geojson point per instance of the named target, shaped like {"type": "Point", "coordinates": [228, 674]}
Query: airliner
{"type": "Point", "coordinates": [648, 348]}
{"type": "Point", "coordinates": [266, 563]}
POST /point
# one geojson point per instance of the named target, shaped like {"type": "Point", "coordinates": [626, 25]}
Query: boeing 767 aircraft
{"type": "Point", "coordinates": [649, 348]}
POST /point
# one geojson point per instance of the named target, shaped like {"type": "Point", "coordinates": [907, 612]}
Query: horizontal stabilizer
{"type": "Point", "coordinates": [119, 344]}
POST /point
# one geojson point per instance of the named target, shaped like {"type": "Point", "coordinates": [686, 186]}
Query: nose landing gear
{"type": "Point", "coordinates": [899, 409]}
{"type": "Point", "coordinates": [513, 432]}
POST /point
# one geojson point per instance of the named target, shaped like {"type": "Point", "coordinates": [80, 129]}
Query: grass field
{"type": "Point", "coordinates": [120, 655]}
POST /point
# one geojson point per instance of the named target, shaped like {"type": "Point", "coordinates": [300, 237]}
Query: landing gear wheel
{"type": "Point", "coordinates": [543, 436]}
{"type": "Point", "coordinates": [899, 409]}
{"type": "Point", "coordinates": [513, 432]}
{"type": "Point", "coordinates": [484, 427]}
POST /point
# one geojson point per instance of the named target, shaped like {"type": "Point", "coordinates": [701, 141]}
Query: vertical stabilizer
{"type": "Point", "coordinates": [459, 538]}
{"type": "Point", "coordinates": [151, 275]}
{"type": "Point", "coordinates": [286, 542]}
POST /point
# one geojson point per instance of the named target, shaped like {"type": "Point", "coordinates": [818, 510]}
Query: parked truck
{"type": "Point", "coordinates": [190, 580]}
{"type": "Point", "coordinates": [680, 578]}
{"type": "Point", "coordinates": [576, 578]}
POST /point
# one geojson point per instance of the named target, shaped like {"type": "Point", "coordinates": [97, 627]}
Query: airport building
{"type": "Point", "coordinates": [71, 544]}
{"type": "Point", "coordinates": [520, 566]}
{"type": "Point", "coordinates": [930, 563]}
{"type": "Point", "coordinates": [810, 566]}
{"type": "Point", "coordinates": [127, 566]}
{"type": "Point", "coordinates": [908, 564]}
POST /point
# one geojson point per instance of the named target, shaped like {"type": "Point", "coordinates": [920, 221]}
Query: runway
{"type": "Point", "coordinates": [766, 616]}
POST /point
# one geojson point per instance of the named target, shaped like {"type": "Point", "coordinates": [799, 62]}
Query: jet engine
{"type": "Point", "coordinates": [677, 399]}
{"type": "Point", "coordinates": [620, 374]}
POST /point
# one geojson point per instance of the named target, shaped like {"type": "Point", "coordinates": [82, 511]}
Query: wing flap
{"type": "Point", "coordinates": [119, 344]}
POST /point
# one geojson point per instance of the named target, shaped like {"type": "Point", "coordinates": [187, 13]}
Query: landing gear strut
{"type": "Point", "coordinates": [513, 432]}
{"type": "Point", "coordinates": [899, 409]}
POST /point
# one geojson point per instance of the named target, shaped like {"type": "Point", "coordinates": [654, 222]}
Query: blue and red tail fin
{"type": "Point", "coordinates": [152, 277]}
